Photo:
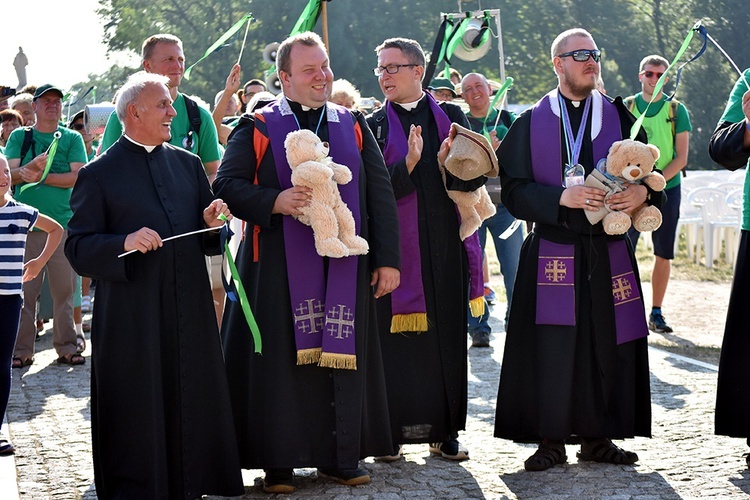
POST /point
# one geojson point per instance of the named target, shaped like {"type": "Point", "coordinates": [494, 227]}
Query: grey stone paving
{"type": "Point", "coordinates": [49, 418]}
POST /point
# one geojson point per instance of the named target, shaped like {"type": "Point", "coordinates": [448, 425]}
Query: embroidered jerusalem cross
{"type": "Point", "coordinates": [555, 271]}
{"type": "Point", "coordinates": [621, 289]}
{"type": "Point", "coordinates": [340, 322]}
{"type": "Point", "coordinates": [309, 316]}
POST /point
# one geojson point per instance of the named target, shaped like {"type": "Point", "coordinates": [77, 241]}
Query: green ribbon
{"type": "Point", "coordinates": [660, 83]}
{"type": "Point", "coordinates": [306, 22]}
{"type": "Point", "coordinates": [507, 84]}
{"type": "Point", "coordinates": [242, 295]}
{"type": "Point", "coordinates": [218, 43]}
{"type": "Point", "coordinates": [50, 158]}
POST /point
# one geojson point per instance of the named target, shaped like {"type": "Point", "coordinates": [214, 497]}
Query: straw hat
{"type": "Point", "coordinates": [471, 155]}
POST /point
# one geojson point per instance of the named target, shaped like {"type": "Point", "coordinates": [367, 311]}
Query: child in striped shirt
{"type": "Point", "coordinates": [16, 220]}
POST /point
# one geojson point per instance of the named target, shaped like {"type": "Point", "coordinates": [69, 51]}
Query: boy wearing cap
{"type": "Point", "coordinates": [49, 194]}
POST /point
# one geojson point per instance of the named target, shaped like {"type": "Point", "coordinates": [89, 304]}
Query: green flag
{"type": "Point", "coordinates": [218, 43]}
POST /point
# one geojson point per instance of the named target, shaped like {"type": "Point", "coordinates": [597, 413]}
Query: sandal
{"type": "Point", "coordinates": [6, 447]}
{"type": "Point", "coordinates": [71, 359]}
{"type": "Point", "coordinates": [546, 456]}
{"type": "Point", "coordinates": [605, 451]}
{"type": "Point", "coordinates": [21, 362]}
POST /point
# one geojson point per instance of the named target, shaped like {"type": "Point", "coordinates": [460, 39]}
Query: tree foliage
{"type": "Point", "coordinates": [625, 30]}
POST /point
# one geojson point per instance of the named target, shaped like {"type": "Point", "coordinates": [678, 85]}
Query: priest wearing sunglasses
{"type": "Point", "coordinates": [575, 367]}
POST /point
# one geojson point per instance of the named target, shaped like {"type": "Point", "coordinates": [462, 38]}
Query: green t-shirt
{"type": "Point", "coordinates": [733, 113]}
{"type": "Point", "coordinates": [659, 129]}
{"type": "Point", "coordinates": [480, 125]}
{"type": "Point", "coordinates": [206, 145]}
{"type": "Point", "coordinates": [49, 200]}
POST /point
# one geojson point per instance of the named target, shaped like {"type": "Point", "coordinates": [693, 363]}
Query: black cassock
{"type": "Point", "coordinates": [426, 372]}
{"type": "Point", "coordinates": [564, 382]}
{"type": "Point", "coordinates": [300, 416]}
{"type": "Point", "coordinates": [733, 390]}
{"type": "Point", "coordinates": [161, 420]}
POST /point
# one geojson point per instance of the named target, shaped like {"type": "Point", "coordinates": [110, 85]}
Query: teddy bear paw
{"type": "Point", "coordinates": [648, 223]}
{"type": "Point", "coordinates": [357, 245]}
{"type": "Point", "coordinates": [331, 247]}
{"type": "Point", "coordinates": [616, 223]}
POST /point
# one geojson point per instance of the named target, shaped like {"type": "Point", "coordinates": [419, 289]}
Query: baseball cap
{"type": "Point", "coordinates": [443, 84]}
{"type": "Point", "coordinates": [47, 87]}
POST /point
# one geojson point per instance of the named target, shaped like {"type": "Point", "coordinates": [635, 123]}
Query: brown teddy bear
{"type": "Point", "coordinates": [628, 162]}
{"type": "Point", "coordinates": [330, 218]}
{"type": "Point", "coordinates": [469, 161]}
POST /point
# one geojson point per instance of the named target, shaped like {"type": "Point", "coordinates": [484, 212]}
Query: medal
{"type": "Point", "coordinates": [574, 175]}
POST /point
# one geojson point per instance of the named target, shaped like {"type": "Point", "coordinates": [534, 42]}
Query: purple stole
{"type": "Point", "coordinates": [408, 306]}
{"type": "Point", "coordinates": [323, 304]}
{"type": "Point", "coordinates": [555, 304]}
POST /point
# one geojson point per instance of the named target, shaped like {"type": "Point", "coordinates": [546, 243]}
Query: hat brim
{"type": "Point", "coordinates": [471, 155]}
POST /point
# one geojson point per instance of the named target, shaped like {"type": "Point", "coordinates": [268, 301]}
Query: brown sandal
{"type": "Point", "coordinates": [21, 362]}
{"type": "Point", "coordinates": [71, 359]}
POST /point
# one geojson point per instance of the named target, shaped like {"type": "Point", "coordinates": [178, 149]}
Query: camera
{"type": "Point", "coordinates": [6, 92]}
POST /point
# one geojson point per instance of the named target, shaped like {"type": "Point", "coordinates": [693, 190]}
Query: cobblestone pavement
{"type": "Point", "coordinates": [49, 418]}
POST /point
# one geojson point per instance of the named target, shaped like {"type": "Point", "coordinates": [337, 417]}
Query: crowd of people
{"type": "Point", "coordinates": [364, 353]}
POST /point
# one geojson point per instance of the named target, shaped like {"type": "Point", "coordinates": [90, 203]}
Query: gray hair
{"type": "Point", "coordinates": [132, 88]}
{"type": "Point", "coordinates": [20, 98]}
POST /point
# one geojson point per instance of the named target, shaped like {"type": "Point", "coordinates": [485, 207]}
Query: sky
{"type": "Point", "coordinates": [63, 48]}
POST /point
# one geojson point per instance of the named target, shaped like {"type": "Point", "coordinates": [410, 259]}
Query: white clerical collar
{"type": "Point", "coordinates": [147, 148]}
{"type": "Point", "coordinates": [408, 106]}
{"type": "Point", "coordinates": [304, 108]}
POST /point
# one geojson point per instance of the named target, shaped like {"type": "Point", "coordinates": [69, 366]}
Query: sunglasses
{"type": "Point", "coordinates": [650, 74]}
{"type": "Point", "coordinates": [78, 126]}
{"type": "Point", "coordinates": [583, 55]}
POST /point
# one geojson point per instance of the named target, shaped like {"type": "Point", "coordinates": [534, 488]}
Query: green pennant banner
{"type": "Point", "coordinates": [218, 43]}
{"type": "Point", "coordinates": [660, 83]}
{"type": "Point", "coordinates": [50, 158]}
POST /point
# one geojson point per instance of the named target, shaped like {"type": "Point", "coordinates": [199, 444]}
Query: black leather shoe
{"type": "Point", "coordinates": [348, 477]}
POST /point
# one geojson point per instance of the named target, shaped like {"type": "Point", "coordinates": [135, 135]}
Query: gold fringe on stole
{"type": "Point", "coordinates": [308, 356]}
{"type": "Point", "coordinates": [341, 361]}
{"type": "Point", "coordinates": [476, 306]}
{"type": "Point", "coordinates": [413, 322]}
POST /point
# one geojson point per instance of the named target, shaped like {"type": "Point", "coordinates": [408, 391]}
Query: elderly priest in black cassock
{"type": "Point", "coordinates": [160, 414]}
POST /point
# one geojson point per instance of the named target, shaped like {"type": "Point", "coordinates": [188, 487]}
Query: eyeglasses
{"type": "Point", "coordinates": [78, 126]}
{"type": "Point", "coordinates": [391, 69]}
{"type": "Point", "coordinates": [583, 55]}
{"type": "Point", "coordinates": [650, 74]}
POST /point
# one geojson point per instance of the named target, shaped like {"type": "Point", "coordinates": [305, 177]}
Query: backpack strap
{"type": "Point", "coordinates": [28, 143]}
{"type": "Point", "coordinates": [194, 121]}
{"type": "Point", "coordinates": [673, 115]}
{"type": "Point", "coordinates": [261, 142]}
{"type": "Point", "coordinates": [629, 103]}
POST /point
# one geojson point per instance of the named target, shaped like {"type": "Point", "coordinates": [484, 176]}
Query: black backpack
{"type": "Point", "coordinates": [194, 121]}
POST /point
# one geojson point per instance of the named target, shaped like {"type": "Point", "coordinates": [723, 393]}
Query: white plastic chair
{"type": "Point", "coordinates": [738, 176]}
{"type": "Point", "coordinates": [691, 219]}
{"type": "Point", "coordinates": [716, 215]}
{"type": "Point", "coordinates": [727, 186]}
{"type": "Point", "coordinates": [733, 200]}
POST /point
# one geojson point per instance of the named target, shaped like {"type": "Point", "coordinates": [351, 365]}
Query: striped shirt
{"type": "Point", "coordinates": [16, 220]}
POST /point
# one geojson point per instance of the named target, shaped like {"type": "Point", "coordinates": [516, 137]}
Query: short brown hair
{"type": "Point", "coordinates": [150, 43]}
{"type": "Point", "coordinates": [308, 38]}
{"type": "Point", "coordinates": [653, 60]}
{"type": "Point", "coordinates": [563, 37]}
{"type": "Point", "coordinates": [7, 115]}
{"type": "Point", "coordinates": [408, 47]}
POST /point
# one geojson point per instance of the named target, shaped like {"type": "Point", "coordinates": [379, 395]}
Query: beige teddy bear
{"type": "Point", "coordinates": [330, 218]}
{"type": "Point", "coordinates": [628, 162]}
{"type": "Point", "coordinates": [470, 157]}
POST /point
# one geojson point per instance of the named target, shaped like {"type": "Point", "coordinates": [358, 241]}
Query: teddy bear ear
{"type": "Point", "coordinates": [615, 146]}
{"type": "Point", "coordinates": [654, 151]}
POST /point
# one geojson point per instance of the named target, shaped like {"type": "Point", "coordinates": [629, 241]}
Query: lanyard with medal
{"type": "Point", "coordinates": [574, 174]}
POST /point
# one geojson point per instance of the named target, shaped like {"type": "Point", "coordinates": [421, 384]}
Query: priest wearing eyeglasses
{"type": "Point", "coordinates": [575, 367]}
{"type": "Point", "coordinates": [424, 322]}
